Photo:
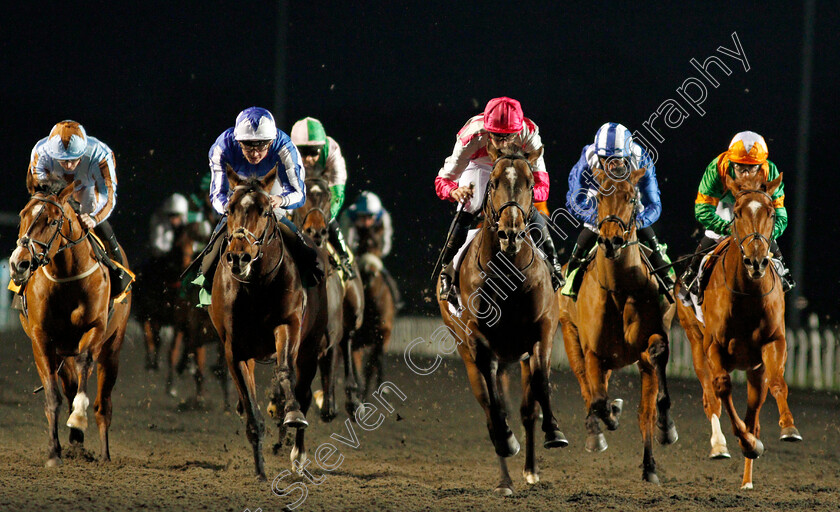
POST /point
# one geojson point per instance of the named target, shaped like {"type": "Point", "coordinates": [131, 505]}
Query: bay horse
{"type": "Point", "coordinates": [67, 293]}
{"type": "Point", "coordinates": [261, 310]}
{"type": "Point", "coordinates": [511, 314]}
{"type": "Point", "coordinates": [619, 319]}
{"type": "Point", "coordinates": [373, 337]}
{"type": "Point", "coordinates": [346, 304]}
{"type": "Point", "coordinates": [744, 312]}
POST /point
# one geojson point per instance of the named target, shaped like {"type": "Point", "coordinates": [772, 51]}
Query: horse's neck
{"type": "Point", "coordinates": [72, 260]}
{"type": "Point", "coordinates": [624, 272]}
{"type": "Point", "coordinates": [488, 245]}
{"type": "Point", "coordinates": [741, 282]}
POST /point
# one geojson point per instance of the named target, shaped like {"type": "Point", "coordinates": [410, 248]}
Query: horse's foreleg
{"type": "Point", "coordinates": [351, 380]}
{"type": "Point", "coordinates": [540, 370]}
{"type": "Point", "coordinates": [482, 374]}
{"type": "Point", "coordinates": [200, 367]}
{"type": "Point", "coordinates": [106, 374]}
{"type": "Point", "coordinates": [47, 365]}
{"type": "Point", "coordinates": [647, 418]}
{"type": "Point", "coordinates": [597, 379]}
{"type": "Point", "coordinates": [306, 365]}
{"type": "Point", "coordinates": [756, 394]}
{"type": "Point", "coordinates": [327, 365]}
{"type": "Point", "coordinates": [173, 356]}
{"type": "Point", "coordinates": [750, 446]}
{"type": "Point", "coordinates": [71, 385]}
{"type": "Point", "coordinates": [595, 440]}
{"type": "Point", "coordinates": [658, 354]}
{"type": "Point", "coordinates": [152, 336]}
{"type": "Point", "coordinates": [528, 411]}
{"type": "Point", "coordinates": [222, 375]}
{"type": "Point", "coordinates": [254, 426]}
{"type": "Point", "coordinates": [84, 366]}
{"type": "Point", "coordinates": [379, 351]}
{"type": "Point", "coordinates": [711, 402]}
{"type": "Point", "coordinates": [505, 485]}
{"type": "Point", "coordinates": [774, 355]}
{"type": "Point", "coordinates": [286, 338]}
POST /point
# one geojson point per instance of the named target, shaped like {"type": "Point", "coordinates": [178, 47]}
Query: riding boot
{"type": "Point", "coordinates": [336, 239]}
{"type": "Point", "coordinates": [547, 246]}
{"type": "Point", "coordinates": [392, 286]}
{"type": "Point", "coordinates": [574, 269]}
{"type": "Point", "coordinates": [119, 276]}
{"type": "Point", "coordinates": [458, 231]}
{"type": "Point", "coordinates": [689, 278]}
{"type": "Point", "coordinates": [784, 273]}
{"type": "Point", "coordinates": [657, 257]}
{"type": "Point", "coordinates": [311, 268]}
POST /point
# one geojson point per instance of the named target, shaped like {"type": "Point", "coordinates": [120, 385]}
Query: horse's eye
{"type": "Point", "coordinates": [53, 223]}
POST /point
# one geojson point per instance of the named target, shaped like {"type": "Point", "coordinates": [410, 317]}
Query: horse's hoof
{"type": "Point", "coordinates": [261, 477]}
{"type": "Point", "coordinates": [295, 419]}
{"type": "Point", "coordinates": [318, 397]}
{"type": "Point", "coordinates": [596, 443]}
{"type": "Point", "coordinates": [271, 410]}
{"type": "Point", "coordinates": [755, 453]}
{"type": "Point", "coordinates": [327, 415]}
{"type": "Point", "coordinates": [720, 452]}
{"type": "Point", "coordinates": [504, 489]}
{"type": "Point", "coordinates": [667, 435]}
{"type": "Point", "coordinates": [790, 435]}
{"type": "Point", "coordinates": [747, 486]}
{"type": "Point", "coordinates": [650, 476]}
{"type": "Point", "coordinates": [53, 463]}
{"type": "Point", "coordinates": [77, 421]}
{"type": "Point", "coordinates": [616, 406]}
{"type": "Point", "coordinates": [509, 447]}
{"type": "Point", "coordinates": [555, 439]}
{"type": "Point", "coordinates": [77, 437]}
{"type": "Point", "coordinates": [531, 477]}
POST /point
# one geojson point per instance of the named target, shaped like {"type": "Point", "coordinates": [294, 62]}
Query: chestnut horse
{"type": "Point", "coordinates": [374, 336]}
{"type": "Point", "coordinates": [261, 310]}
{"type": "Point", "coordinates": [346, 304]}
{"type": "Point", "coordinates": [619, 319]}
{"type": "Point", "coordinates": [67, 318]}
{"type": "Point", "coordinates": [744, 312]}
{"type": "Point", "coordinates": [510, 316]}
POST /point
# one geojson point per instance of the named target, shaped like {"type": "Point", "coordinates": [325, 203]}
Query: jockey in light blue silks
{"type": "Point", "coordinates": [615, 151]}
{"type": "Point", "coordinates": [252, 148]}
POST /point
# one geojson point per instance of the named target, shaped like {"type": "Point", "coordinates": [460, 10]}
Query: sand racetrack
{"type": "Point", "coordinates": [431, 453]}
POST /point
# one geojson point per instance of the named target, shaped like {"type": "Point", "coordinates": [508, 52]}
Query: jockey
{"type": "Point", "coordinates": [746, 156]}
{"type": "Point", "coordinates": [366, 213]}
{"type": "Point", "coordinates": [165, 222]}
{"type": "Point", "coordinates": [252, 147]}
{"type": "Point", "coordinates": [613, 150]}
{"type": "Point", "coordinates": [322, 158]}
{"type": "Point", "coordinates": [69, 153]}
{"type": "Point", "coordinates": [502, 125]}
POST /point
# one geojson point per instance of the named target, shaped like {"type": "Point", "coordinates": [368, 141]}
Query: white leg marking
{"type": "Point", "coordinates": [78, 418]}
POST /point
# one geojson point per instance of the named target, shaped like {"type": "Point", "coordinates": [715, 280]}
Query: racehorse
{"type": "Point", "coordinates": [373, 337]}
{"type": "Point", "coordinates": [261, 310]}
{"type": "Point", "coordinates": [503, 324]}
{"type": "Point", "coordinates": [619, 319]}
{"type": "Point", "coordinates": [346, 303]}
{"type": "Point", "coordinates": [744, 312]}
{"type": "Point", "coordinates": [67, 292]}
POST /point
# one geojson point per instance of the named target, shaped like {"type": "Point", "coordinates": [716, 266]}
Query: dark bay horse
{"type": "Point", "coordinates": [511, 314]}
{"type": "Point", "coordinates": [261, 310]}
{"type": "Point", "coordinates": [373, 337]}
{"type": "Point", "coordinates": [619, 319]}
{"type": "Point", "coordinates": [744, 312]}
{"type": "Point", "coordinates": [346, 304]}
{"type": "Point", "coordinates": [67, 293]}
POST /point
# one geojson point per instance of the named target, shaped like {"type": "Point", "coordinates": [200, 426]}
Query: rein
{"type": "Point", "coordinates": [755, 235]}
{"type": "Point", "coordinates": [42, 259]}
{"type": "Point", "coordinates": [251, 239]}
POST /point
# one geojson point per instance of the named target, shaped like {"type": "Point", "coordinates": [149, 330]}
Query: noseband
{"type": "Point", "coordinates": [27, 242]}
{"type": "Point", "coordinates": [755, 235]}
{"type": "Point", "coordinates": [495, 215]}
{"type": "Point", "coordinates": [268, 235]}
{"type": "Point", "coordinates": [625, 227]}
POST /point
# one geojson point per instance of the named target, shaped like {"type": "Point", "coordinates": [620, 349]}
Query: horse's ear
{"type": "Point", "coordinates": [66, 192]}
{"type": "Point", "coordinates": [771, 186]}
{"type": "Point", "coordinates": [637, 175]}
{"type": "Point", "coordinates": [535, 155]}
{"type": "Point", "coordinates": [232, 177]}
{"type": "Point", "coordinates": [730, 184]}
{"type": "Point", "coordinates": [493, 152]}
{"type": "Point", "coordinates": [268, 181]}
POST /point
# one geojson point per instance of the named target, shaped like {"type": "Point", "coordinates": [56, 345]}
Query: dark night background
{"type": "Point", "coordinates": [394, 81]}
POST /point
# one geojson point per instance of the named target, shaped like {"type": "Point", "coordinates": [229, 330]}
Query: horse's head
{"type": "Point", "coordinates": [617, 205]}
{"type": "Point", "coordinates": [316, 210]}
{"type": "Point", "coordinates": [754, 219]}
{"type": "Point", "coordinates": [371, 239]}
{"type": "Point", "coordinates": [510, 196]}
{"type": "Point", "coordinates": [45, 218]}
{"type": "Point", "coordinates": [250, 220]}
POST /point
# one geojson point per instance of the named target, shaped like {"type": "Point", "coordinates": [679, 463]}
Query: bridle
{"type": "Point", "coordinates": [42, 258]}
{"type": "Point", "coordinates": [269, 234]}
{"type": "Point", "coordinates": [626, 227]}
{"type": "Point", "coordinates": [755, 235]}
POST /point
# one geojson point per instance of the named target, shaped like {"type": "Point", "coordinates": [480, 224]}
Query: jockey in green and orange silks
{"type": "Point", "coordinates": [746, 156]}
{"type": "Point", "coordinates": [322, 158]}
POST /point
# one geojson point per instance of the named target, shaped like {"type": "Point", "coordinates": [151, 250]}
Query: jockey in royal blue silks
{"type": "Point", "coordinates": [613, 150]}
{"type": "Point", "coordinates": [252, 148]}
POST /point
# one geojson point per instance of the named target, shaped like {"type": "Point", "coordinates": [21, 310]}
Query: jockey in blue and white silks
{"type": "Point", "coordinates": [613, 149]}
{"type": "Point", "coordinates": [70, 154]}
{"type": "Point", "coordinates": [252, 148]}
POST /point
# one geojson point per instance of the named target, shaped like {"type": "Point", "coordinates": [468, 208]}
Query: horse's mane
{"type": "Point", "coordinates": [320, 181]}
{"type": "Point", "coordinates": [52, 186]}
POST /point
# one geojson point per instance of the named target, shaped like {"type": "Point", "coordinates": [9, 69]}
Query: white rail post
{"type": "Point", "coordinates": [5, 312]}
{"type": "Point", "coordinates": [790, 339]}
{"type": "Point", "coordinates": [816, 351]}
{"type": "Point", "coordinates": [802, 358]}
{"type": "Point", "coordinates": [828, 373]}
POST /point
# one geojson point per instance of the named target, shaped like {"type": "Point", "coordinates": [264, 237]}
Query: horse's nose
{"type": "Point", "coordinates": [238, 260]}
{"type": "Point", "coordinates": [763, 264]}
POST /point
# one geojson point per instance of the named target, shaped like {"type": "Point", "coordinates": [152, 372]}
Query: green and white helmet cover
{"type": "Point", "coordinates": [308, 132]}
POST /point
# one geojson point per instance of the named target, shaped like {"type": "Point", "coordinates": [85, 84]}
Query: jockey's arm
{"type": "Point", "coordinates": [778, 202]}
{"type": "Point", "coordinates": [708, 197]}
{"type": "Point", "coordinates": [579, 201]}
{"type": "Point", "coordinates": [337, 172]}
{"type": "Point", "coordinates": [455, 164]}
{"type": "Point", "coordinates": [289, 178]}
{"type": "Point", "coordinates": [387, 232]}
{"type": "Point", "coordinates": [104, 174]}
{"type": "Point", "coordinates": [218, 179]}
{"type": "Point", "coordinates": [649, 189]}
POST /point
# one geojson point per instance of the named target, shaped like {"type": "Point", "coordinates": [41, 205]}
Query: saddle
{"type": "Point", "coordinates": [335, 262]}
{"type": "Point", "coordinates": [708, 264]}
